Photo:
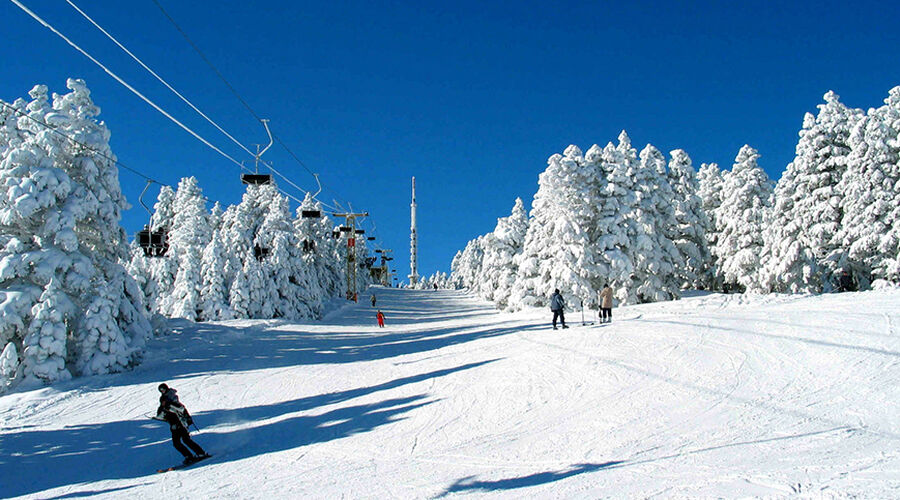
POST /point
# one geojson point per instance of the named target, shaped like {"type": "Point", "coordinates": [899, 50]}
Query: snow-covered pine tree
{"type": "Point", "coordinates": [467, 267]}
{"type": "Point", "coordinates": [747, 194]}
{"type": "Point", "coordinates": [711, 179]}
{"type": "Point", "coordinates": [501, 250]}
{"type": "Point", "coordinates": [655, 255]}
{"type": "Point", "coordinates": [318, 271]}
{"type": "Point", "coordinates": [240, 225]}
{"type": "Point", "coordinates": [69, 307]}
{"type": "Point", "coordinates": [276, 233]}
{"type": "Point", "coordinates": [805, 240]}
{"type": "Point", "coordinates": [559, 251]}
{"type": "Point", "coordinates": [213, 292]}
{"type": "Point", "coordinates": [189, 234]}
{"type": "Point", "coordinates": [615, 232]}
{"type": "Point", "coordinates": [870, 227]}
{"type": "Point", "coordinates": [690, 235]}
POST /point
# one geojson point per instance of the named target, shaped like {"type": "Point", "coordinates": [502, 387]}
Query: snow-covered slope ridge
{"type": "Point", "coordinates": [709, 396]}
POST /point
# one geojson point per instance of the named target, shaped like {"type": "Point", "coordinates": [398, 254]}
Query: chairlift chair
{"type": "Point", "coordinates": [371, 238]}
{"type": "Point", "coordinates": [153, 243]}
{"type": "Point", "coordinates": [310, 214]}
{"type": "Point", "coordinates": [360, 231]}
{"type": "Point", "coordinates": [256, 179]}
{"type": "Point", "coordinates": [260, 253]}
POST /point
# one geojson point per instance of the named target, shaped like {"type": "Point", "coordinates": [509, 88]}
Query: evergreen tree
{"type": "Point", "coordinates": [690, 234]}
{"type": "Point", "coordinates": [213, 293]}
{"type": "Point", "coordinates": [711, 181]}
{"type": "Point", "coordinates": [189, 234]}
{"type": "Point", "coordinates": [501, 250]}
{"type": "Point", "coordinates": [558, 250]}
{"type": "Point", "coordinates": [807, 213]}
{"type": "Point", "coordinates": [69, 307]}
{"type": "Point", "coordinates": [743, 215]}
{"type": "Point", "coordinates": [870, 227]}
{"type": "Point", "coordinates": [655, 255]}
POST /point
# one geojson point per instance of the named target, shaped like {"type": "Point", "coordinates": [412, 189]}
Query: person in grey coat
{"type": "Point", "coordinates": [557, 304]}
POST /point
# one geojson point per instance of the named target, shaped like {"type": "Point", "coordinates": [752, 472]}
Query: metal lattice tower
{"type": "Point", "coordinates": [351, 252]}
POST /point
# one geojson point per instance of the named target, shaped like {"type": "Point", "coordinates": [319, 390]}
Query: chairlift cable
{"type": "Point", "coordinates": [233, 90]}
{"type": "Point", "coordinates": [123, 82]}
{"type": "Point", "coordinates": [161, 80]}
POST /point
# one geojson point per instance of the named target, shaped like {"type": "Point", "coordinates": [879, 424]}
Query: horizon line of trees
{"type": "Point", "coordinates": [651, 227]}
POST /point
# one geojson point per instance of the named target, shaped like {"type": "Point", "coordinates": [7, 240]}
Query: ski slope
{"type": "Point", "coordinates": [709, 396]}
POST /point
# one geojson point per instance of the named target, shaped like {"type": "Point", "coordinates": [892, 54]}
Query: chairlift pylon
{"type": "Point", "coordinates": [257, 178]}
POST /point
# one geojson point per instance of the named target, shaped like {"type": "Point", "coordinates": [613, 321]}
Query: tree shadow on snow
{"type": "Point", "coordinates": [32, 461]}
{"type": "Point", "coordinates": [215, 347]}
{"type": "Point", "coordinates": [470, 484]}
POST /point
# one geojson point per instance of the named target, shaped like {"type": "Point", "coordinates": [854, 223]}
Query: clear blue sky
{"type": "Point", "coordinates": [469, 97]}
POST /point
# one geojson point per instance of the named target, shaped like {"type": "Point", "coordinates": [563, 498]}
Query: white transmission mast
{"type": "Point", "coordinates": [413, 239]}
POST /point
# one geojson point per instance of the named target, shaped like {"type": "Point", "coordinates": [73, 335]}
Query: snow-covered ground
{"type": "Point", "coordinates": [709, 396]}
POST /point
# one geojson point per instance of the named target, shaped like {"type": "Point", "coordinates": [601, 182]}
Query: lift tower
{"type": "Point", "coordinates": [413, 239]}
{"type": "Point", "coordinates": [350, 229]}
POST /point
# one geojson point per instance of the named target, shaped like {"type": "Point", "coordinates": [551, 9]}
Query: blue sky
{"type": "Point", "coordinates": [469, 97]}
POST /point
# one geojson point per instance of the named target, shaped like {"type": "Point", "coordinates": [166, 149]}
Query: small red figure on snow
{"type": "Point", "coordinates": [380, 317]}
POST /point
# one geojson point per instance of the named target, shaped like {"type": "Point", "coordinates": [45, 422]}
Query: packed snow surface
{"type": "Point", "coordinates": [712, 395]}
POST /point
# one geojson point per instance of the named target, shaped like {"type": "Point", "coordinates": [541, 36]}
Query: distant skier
{"type": "Point", "coordinates": [606, 303]}
{"type": "Point", "coordinates": [557, 304]}
{"type": "Point", "coordinates": [178, 418]}
{"type": "Point", "coordinates": [845, 281]}
{"type": "Point", "coordinates": [373, 300]}
{"type": "Point", "coordinates": [380, 317]}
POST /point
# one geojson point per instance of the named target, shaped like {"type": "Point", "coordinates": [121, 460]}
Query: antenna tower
{"type": "Point", "coordinates": [413, 239]}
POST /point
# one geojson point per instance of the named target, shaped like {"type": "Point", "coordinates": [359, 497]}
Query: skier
{"type": "Point", "coordinates": [557, 304]}
{"type": "Point", "coordinates": [606, 303]}
{"type": "Point", "coordinates": [373, 300]}
{"type": "Point", "coordinates": [380, 317]}
{"type": "Point", "coordinates": [178, 418]}
{"type": "Point", "coordinates": [845, 282]}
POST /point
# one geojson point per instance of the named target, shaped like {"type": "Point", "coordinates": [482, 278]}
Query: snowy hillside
{"type": "Point", "coordinates": [713, 395]}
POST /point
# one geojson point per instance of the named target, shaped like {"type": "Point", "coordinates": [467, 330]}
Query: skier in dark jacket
{"type": "Point", "coordinates": [557, 304]}
{"type": "Point", "coordinates": [176, 415]}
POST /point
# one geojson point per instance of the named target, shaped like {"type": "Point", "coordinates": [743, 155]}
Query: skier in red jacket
{"type": "Point", "coordinates": [380, 317]}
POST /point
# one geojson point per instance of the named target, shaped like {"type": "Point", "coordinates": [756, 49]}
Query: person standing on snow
{"type": "Point", "coordinates": [606, 303]}
{"type": "Point", "coordinates": [557, 304]}
{"type": "Point", "coordinates": [380, 317]}
{"type": "Point", "coordinates": [176, 415]}
{"type": "Point", "coordinates": [373, 300]}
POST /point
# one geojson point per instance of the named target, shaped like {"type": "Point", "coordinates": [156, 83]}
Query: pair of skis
{"type": "Point", "coordinates": [184, 466]}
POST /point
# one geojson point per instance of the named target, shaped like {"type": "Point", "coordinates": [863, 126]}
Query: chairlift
{"type": "Point", "coordinates": [153, 243]}
{"type": "Point", "coordinates": [360, 231]}
{"type": "Point", "coordinates": [346, 229]}
{"type": "Point", "coordinates": [335, 234]}
{"type": "Point", "coordinates": [309, 246]}
{"type": "Point", "coordinates": [371, 238]}
{"type": "Point", "coordinates": [310, 214]}
{"type": "Point", "coordinates": [256, 179]}
{"type": "Point", "coordinates": [260, 253]}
